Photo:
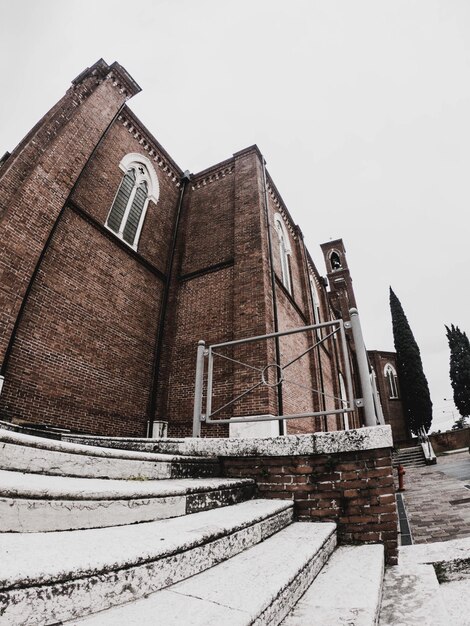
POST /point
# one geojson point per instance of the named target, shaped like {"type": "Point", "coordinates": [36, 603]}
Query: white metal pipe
{"type": "Point", "coordinates": [363, 367]}
{"type": "Point", "coordinates": [198, 389]}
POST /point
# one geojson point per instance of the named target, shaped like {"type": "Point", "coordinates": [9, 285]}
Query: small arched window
{"type": "Point", "coordinates": [284, 252]}
{"type": "Point", "coordinates": [391, 376]}
{"type": "Point", "coordinates": [335, 261]}
{"type": "Point", "coordinates": [138, 186]}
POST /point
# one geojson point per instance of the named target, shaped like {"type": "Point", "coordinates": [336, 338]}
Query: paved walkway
{"type": "Point", "coordinates": [437, 501]}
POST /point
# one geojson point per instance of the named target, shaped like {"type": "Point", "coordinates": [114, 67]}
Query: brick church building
{"type": "Point", "coordinates": [115, 263]}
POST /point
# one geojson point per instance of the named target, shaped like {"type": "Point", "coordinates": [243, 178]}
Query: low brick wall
{"type": "Point", "coordinates": [353, 489]}
{"type": "Point", "coordinates": [450, 440]}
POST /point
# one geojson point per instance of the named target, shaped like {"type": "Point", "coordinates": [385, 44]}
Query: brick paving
{"type": "Point", "coordinates": [437, 501]}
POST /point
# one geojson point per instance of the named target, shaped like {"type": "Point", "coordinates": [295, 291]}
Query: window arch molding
{"type": "Point", "coordinates": [390, 374]}
{"type": "Point", "coordinates": [134, 158]}
{"type": "Point", "coordinates": [138, 186]}
{"type": "Point", "coordinates": [285, 251]}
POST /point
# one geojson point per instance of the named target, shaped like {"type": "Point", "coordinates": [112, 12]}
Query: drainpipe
{"type": "Point", "coordinates": [163, 311]}
{"type": "Point", "coordinates": [273, 289]}
{"type": "Point", "coordinates": [363, 368]}
{"type": "Point", "coordinates": [19, 317]}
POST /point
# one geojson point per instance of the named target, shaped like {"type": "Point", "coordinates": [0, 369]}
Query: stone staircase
{"type": "Point", "coordinates": [94, 535]}
{"type": "Point", "coordinates": [111, 536]}
{"type": "Point", "coordinates": [409, 457]}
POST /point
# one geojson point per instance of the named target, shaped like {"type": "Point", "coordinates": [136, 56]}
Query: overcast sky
{"type": "Point", "coordinates": [360, 107]}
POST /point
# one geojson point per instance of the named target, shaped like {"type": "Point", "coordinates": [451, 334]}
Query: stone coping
{"type": "Point", "coordinates": [368, 438]}
{"type": "Point", "coordinates": [355, 440]}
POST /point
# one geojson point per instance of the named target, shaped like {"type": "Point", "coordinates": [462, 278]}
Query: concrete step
{"type": "Point", "coordinates": [456, 600]}
{"type": "Point", "coordinates": [258, 586]}
{"type": "Point", "coordinates": [430, 585]}
{"type": "Point", "coordinates": [409, 457]}
{"type": "Point", "coordinates": [51, 577]}
{"type": "Point", "coordinates": [450, 559]}
{"type": "Point", "coordinates": [348, 590]}
{"type": "Point", "coordinates": [37, 502]}
{"type": "Point", "coordinates": [411, 596]}
{"type": "Point", "coordinates": [27, 453]}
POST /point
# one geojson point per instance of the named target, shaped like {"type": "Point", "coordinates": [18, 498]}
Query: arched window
{"type": "Point", "coordinates": [335, 261]}
{"type": "Point", "coordinates": [284, 252]}
{"type": "Point", "coordinates": [138, 186]}
{"type": "Point", "coordinates": [391, 376]}
{"type": "Point", "coordinates": [316, 301]}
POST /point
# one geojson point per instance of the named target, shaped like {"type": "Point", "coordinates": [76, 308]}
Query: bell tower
{"type": "Point", "coordinates": [341, 291]}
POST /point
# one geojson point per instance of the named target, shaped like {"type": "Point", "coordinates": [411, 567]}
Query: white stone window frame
{"type": "Point", "coordinates": [390, 374]}
{"type": "Point", "coordinates": [285, 251]}
{"type": "Point", "coordinates": [132, 161]}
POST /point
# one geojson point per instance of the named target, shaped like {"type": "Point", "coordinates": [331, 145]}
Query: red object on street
{"type": "Point", "coordinates": [401, 473]}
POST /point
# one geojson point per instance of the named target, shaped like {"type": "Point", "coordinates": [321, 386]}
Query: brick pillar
{"type": "Point", "coordinates": [40, 174]}
{"type": "Point", "coordinates": [253, 312]}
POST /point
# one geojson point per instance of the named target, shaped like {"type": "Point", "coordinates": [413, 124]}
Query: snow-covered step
{"type": "Point", "coordinates": [411, 596]}
{"type": "Point", "coordinates": [348, 590]}
{"type": "Point", "coordinates": [450, 559]}
{"type": "Point", "coordinates": [258, 586]}
{"type": "Point", "coordinates": [50, 577]}
{"type": "Point", "coordinates": [38, 502]}
{"type": "Point", "coordinates": [456, 598]}
{"type": "Point", "coordinates": [28, 453]}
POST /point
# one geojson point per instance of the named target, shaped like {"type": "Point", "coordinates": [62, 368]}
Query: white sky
{"type": "Point", "coordinates": [360, 107]}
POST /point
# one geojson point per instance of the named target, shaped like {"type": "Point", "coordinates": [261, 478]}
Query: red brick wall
{"type": "Point", "coordinates": [353, 489]}
{"type": "Point", "coordinates": [203, 311]}
{"type": "Point", "coordinates": [34, 188]}
{"type": "Point", "coordinates": [83, 354]}
{"type": "Point", "coordinates": [99, 183]}
{"type": "Point", "coordinates": [84, 350]}
{"type": "Point", "coordinates": [451, 440]}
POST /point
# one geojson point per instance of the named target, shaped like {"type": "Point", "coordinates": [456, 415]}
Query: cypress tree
{"type": "Point", "coordinates": [414, 388]}
{"type": "Point", "coordinates": [459, 368]}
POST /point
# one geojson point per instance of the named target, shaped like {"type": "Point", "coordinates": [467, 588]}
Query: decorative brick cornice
{"type": "Point", "coordinates": [155, 151]}
{"type": "Point", "coordinates": [281, 206]}
{"type": "Point", "coordinates": [123, 80]}
{"type": "Point", "coordinates": [219, 171]}
{"type": "Point", "coordinates": [119, 76]}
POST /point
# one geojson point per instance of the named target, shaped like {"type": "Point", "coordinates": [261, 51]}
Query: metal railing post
{"type": "Point", "coordinates": [198, 388]}
{"type": "Point", "coordinates": [363, 367]}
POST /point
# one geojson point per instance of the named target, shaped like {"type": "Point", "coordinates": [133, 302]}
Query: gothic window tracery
{"type": "Point", "coordinates": [138, 186]}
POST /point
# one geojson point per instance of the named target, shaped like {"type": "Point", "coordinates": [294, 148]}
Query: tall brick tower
{"type": "Point", "coordinates": [341, 290]}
